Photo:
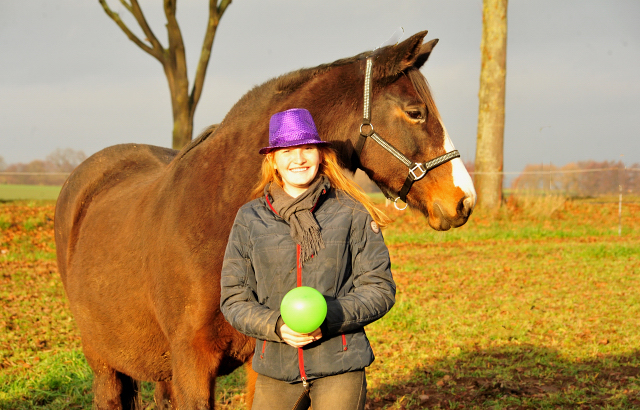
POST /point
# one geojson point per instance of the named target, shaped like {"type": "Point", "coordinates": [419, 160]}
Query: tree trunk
{"type": "Point", "coordinates": [182, 128]}
{"type": "Point", "coordinates": [181, 106]}
{"type": "Point", "coordinates": [490, 142]}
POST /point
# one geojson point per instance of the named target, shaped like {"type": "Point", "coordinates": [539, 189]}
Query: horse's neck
{"type": "Point", "coordinates": [231, 153]}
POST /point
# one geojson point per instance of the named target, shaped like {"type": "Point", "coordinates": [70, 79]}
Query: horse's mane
{"type": "Point", "coordinates": [206, 133]}
{"type": "Point", "coordinates": [292, 81]}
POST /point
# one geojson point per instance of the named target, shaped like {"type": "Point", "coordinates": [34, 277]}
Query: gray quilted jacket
{"type": "Point", "coordinates": [352, 272]}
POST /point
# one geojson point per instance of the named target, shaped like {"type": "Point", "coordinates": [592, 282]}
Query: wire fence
{"type": "Point", "coordinates": [607, 185]}
{"type": "Point", "coordinates": [33, 178]}
{"type": "Point", "coordinates": [571, 181]}
{"type": "Point", "coordinates": [533, 180]}
{"type": "Point", "coordinates": [567, 171]}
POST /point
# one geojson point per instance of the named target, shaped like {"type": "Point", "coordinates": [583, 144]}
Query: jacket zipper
{"type": "Point", "coordinates": [264, 345]}
{"type": "Point", "coordinates": [303, 374]}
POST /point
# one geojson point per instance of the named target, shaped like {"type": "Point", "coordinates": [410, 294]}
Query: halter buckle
{"type": "Point", "coordinates": [395, 204]}
{"type": "Point", "coordinates": [419, 167]}
{"type": "Point", "coordinates": [370, 131]}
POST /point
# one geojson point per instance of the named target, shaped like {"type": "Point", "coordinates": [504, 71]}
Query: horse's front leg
{"type": "Point", "coordinates": [194, 370]}
{"type": "Point", "coordinates": [251, 383]}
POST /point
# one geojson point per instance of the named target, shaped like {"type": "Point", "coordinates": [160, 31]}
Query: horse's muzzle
{"type": "Point", "coordinates": [440, 221]}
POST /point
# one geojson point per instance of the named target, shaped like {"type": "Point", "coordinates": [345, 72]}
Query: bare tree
{"type": "Point", "coordinates": [65, 160]}
{"type": "Point", "coordinates": [173, 59]}
{"type": "Point", "coordinates": [490, 142]}
{"type": "Point", "coordinates": [52, 171]}
{"type": "Point", "coordinates": [584, 178]}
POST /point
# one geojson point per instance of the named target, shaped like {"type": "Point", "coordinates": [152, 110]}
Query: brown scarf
{"type": "Point", "coordinates": [305, 230]}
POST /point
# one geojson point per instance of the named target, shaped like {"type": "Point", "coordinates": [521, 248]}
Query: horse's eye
{"type": "Point", "coordinates": [414, 115]}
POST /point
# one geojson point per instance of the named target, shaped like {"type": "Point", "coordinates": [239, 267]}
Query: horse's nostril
{"type": "Point", "coordinates": [465, 206]}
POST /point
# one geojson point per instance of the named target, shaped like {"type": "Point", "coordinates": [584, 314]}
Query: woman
{"type": "Point", "coordinates": [310, 226]}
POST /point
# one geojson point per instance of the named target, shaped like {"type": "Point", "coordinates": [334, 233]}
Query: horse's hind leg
{"type": "Point", "coordinates": [112, 390]}
{"type": "Point", "coordinates": [130, 392]}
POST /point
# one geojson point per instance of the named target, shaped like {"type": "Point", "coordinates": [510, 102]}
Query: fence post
{"type": "Point", "coordinates": [619, 203]}
{"type": "Point", "coordinates": [620, 212]}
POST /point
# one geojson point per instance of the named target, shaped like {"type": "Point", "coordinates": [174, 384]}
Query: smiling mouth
{"type": "Point", "coordinates": [298, 169]}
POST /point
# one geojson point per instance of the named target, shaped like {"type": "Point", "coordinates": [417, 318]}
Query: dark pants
{"type": "Point", "coordinates": [345, 391]}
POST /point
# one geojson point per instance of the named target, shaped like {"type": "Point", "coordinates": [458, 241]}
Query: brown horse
{"type": "Point", "coordinates": [141, 230]}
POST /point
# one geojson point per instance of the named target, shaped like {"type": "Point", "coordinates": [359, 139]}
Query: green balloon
{"type": "Point", "coordinates": [303, 309]}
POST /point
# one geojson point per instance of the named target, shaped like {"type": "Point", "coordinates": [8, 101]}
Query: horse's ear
{"type": "Point", "coordinates": [393, 60]}
{"type": "Point", "coordinates": [425, 51]}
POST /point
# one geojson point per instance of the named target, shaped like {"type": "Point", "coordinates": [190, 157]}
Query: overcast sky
{"type": "Point", "coordinates": [69, 78]}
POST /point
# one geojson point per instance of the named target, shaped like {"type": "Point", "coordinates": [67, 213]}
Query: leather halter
{"type": "Point", "coordinates": [417, 170]}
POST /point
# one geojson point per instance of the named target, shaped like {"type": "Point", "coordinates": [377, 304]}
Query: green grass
{"type": "Point", "coordinates": [22, 192]}
{"type": "Point", "coordinates": [535, 307]}
{"type": "Point", "coordinates": [56, 381]}
{"type": "Point", "coordinates": [521, 309]}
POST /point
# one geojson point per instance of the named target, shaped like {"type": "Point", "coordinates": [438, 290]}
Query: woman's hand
{"type": "Point", "coordinates": [296, 339]}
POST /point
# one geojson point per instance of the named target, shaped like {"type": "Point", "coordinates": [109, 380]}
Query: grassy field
{"type": "Point", "coordinates": [536, 307]}
{"type": "Point", "coordinates": [28, 192]}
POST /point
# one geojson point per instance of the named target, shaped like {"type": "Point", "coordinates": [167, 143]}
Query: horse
{"type": "Point", "coordinates": [141, 230]}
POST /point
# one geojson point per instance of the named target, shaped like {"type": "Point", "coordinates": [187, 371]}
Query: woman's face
{"type": "Point", "coordinates": [298, 166]}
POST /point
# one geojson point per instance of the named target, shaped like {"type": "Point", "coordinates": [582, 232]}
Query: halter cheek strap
{"type": "Point", "coordinates": [417, 170]}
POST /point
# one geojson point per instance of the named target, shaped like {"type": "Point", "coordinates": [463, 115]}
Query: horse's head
{"type": "Point", "coordinates": [404, 115]}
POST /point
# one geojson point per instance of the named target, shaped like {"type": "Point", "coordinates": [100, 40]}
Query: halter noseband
{"type": "Point", "coordinates": [417, 170]}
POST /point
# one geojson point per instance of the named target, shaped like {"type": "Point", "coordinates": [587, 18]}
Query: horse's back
{"type": "Point", "coordinates": [104, 171]}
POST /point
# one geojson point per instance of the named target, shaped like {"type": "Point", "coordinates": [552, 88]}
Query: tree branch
{"type": "Point", "coordinates": [116, 18]}
{"type": "Point", "coordinates": [136, 11]}
{"type": "Point", "coordinates": [223, 6]}
{"type": "Point", "coordinates": [175, 65]}
{"type": "Point", "coordinates": [126, 6]}
{"type": "Point", "coordinates": [215, 14]}
{"type": "Point", "coordinates": [176, 44]}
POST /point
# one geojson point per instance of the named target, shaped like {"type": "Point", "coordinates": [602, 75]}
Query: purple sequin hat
{"type": "Point", "coordinates": [290, 128]}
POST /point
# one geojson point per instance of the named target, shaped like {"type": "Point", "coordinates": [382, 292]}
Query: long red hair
{"type": "Point", "coordinates": [330, 168]}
